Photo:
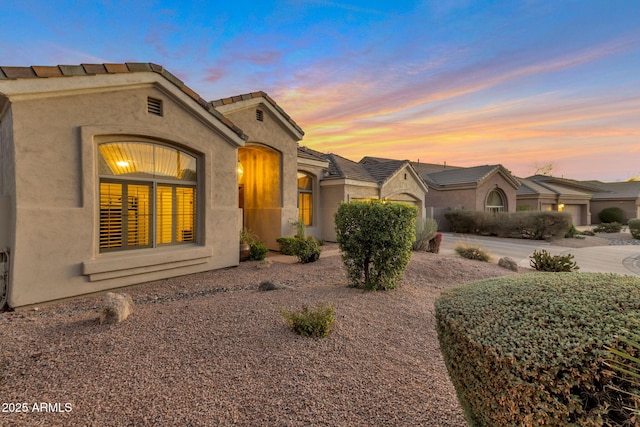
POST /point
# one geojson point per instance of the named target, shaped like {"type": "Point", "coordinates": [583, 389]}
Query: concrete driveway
{"type": "Point", "coordinates": [620, 259]}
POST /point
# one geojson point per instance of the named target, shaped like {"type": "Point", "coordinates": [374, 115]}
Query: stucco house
{"type": "Point", "coordinates": [625, 195]}
{"type": "Point", "coordinates": [116, 174]}
{"type": "Point", "coordinates": [584, 200]}
{"type": "Point", "coordinates": [329, 179]}
{"type": "Point", "coordinates": [480, 188]}
{"type": "Point", "coordinates": [547, 193]}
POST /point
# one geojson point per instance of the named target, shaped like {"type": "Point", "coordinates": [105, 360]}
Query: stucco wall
{"type": "Point", "coordinates": [404, 186]}
{"type": "Point", "coordinates": [331, 197]}
{"type": "Point", "coordinates": [333, 192]}
{"type": "Point", "coordinates": [496, 182]}
{"type": "Point", "coordinates": [315, 229]}
{"type": "Point", "coordinates": [57, 208]}
{"type": "Point", "coordinates": [7, 181]}
{"type": "Point", "coordinates": [271, 133]}
{"type": "Point", "coordinates": [630, 208]}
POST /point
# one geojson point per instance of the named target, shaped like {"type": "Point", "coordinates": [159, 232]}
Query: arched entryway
{"type": "Point", "coordinates": [260, 190]}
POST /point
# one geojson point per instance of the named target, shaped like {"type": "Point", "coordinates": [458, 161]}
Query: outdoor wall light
{"type": "Point", "coordinates": [240, 171]}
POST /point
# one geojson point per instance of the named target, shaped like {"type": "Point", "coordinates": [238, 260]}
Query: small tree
{"type": "Point", "coordinates": [375, 239]}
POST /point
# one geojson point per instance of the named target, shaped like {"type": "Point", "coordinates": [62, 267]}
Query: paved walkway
{"type": "Point", "coordinates": [620, 259]}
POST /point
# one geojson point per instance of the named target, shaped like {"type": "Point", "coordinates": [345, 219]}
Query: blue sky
{"type": "Point", "coordinates": [521, 83]}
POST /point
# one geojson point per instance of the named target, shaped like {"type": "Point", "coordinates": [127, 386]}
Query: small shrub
{"type": "Point", "coordinates": [425, 231]}
{"type": "Point", "coordinates": [586, 233]}
{"type": "Point", "coordinates": [307, 250]}
{"type": "Point", "coordinates": [247, 236]}
{"type": "Point", "coordinates": [634, 228]}
{"type": "Point", "coordinates": [315, 323]}
{"type": "Point", "coordinates": [472, 252]}
{"type": "Point", "coordinates": [612, 214]}
{"type": "Point", "coordinates": [258, 251]}
{"type": "Point", "coordinates": [287, 245]}
{"type": "Point", "coordinates": [608, 227]}
{"type": "Point", "coordinates": [544, 261]}
{"type": "Point", "coordinates": [375, 239]}
{"type": "Point", "coordinates": [571, 233]}
{"type": "Point", "coordinates": [301, 229]}
{"type": "Point", "coordinates": [267, 285]}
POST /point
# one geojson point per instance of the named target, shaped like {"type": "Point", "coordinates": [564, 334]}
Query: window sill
{"type": "Point", "coordinates": [129, 263]}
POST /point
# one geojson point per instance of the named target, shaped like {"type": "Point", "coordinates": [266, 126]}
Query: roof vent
{"type": "Point", "coordinates": [259, 115]}
{"type": "Point", "coordinates": [154, 106]}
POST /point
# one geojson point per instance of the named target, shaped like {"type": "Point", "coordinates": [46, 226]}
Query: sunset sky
{"type": "Point", "coordinates": [521, 83]}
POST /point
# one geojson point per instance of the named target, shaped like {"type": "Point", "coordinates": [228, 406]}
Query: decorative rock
{"type": "Point", "coordinates": [268, 285]}
{"type": "Point", "coordinates": [117, 307]}
{"type": "Point", "coordinates": [265, 263]}
{"type": "Point", "coordinates": [508, 263]}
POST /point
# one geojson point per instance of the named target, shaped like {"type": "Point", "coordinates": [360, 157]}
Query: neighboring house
{"type": "Point", "coordinates": [547, 193]}
{"type": "Point", "coordinates": [480, 188]}
{"type": "Point", "coordinates": [584, 200]}
{"type": "Point", "coordinates": [326, 180]}
{"type": "Point", "coordinates": [625, 195]}
{"type": "Point", "coordinates": [117, 174]}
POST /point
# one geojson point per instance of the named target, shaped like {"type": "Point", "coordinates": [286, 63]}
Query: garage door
{"type": "Point", "coordinates": [576, 213]}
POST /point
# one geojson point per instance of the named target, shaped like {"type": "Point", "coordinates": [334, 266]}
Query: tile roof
{"type": "Point", "coordinates": [308, 153]}
{"type": "Point", "coordinates": [13, 73]}
{"type": "Point", "coordinates": [581, 186]}
{"type": "Point", "coordinates": [618, 190]}
{"type": "Point", "coordinates": [534, 185]}
{"type": "Point", "coordinates": [528, 187]}
{"type": "Point", "coordinates": [384, 170]}
{"type": "Point", "coordinates": [421, 168]}
{"type": "Point", "coordinates": [340, 167]}
{"type": "Point", "coordinates": [453, 176]}
{"type": "Point", "coordinates": [253, 95]}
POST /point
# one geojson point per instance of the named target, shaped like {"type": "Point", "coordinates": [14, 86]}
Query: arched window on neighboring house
{"type": "Point", "coordinates": [305, 198]}
{"type": "Point", "coordinates": [495, 201]}
{"type": "Point", "coordinates": [147, 195]}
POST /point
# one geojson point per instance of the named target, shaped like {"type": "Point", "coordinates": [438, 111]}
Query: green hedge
{"type": "Point", "coordinates": [529, 349]}
{"type": "Point", "coordinates": [539, 225]}
{"type": "Point", "coordinates": [612, 214]}
{"type": "Point", "coordinates": [634, 227]}
{"type": "Point", "coordinates": [375, 239]}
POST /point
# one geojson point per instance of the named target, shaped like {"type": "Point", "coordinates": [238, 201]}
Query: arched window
{"type": "Point", "coordinates": [495, 201]}
{"type": "Point", "coordinates": [305, 198]}
{"type": "Point", "coordinates": [147, 195]}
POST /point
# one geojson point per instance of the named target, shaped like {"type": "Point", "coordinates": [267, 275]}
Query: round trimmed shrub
{"type": "Point", "coordinates": [307, 249]}
{"type": "Point", "coordinates": [612, 214]}
{"type": "Point", "coordinates": [529, 349]}
{"type": "Point", "coordinates": [634, 228]}
{"type": "Point", "coordinates": [375, 239]}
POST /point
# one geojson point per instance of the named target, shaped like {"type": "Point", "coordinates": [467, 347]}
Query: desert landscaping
{"type": "Point", "coordinates": [212, 349]}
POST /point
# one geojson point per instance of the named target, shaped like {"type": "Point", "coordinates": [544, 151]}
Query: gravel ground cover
{"type": "Point", "coordinates": [210, 349]}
